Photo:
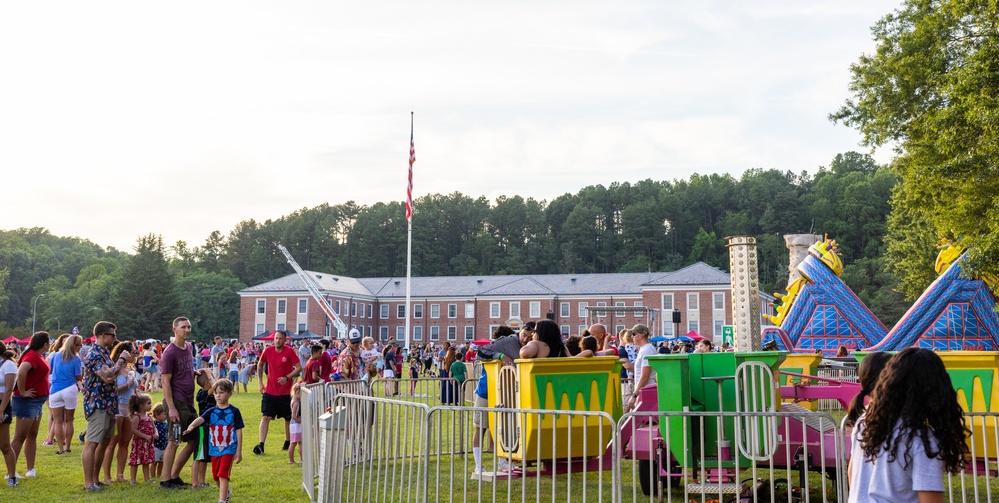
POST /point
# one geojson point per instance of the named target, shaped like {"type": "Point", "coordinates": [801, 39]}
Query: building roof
{"type": "Point", "coordinates": [500, 286]}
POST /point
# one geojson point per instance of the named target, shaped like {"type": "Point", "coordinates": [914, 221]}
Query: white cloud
{"type": "Point", "coordinates": [121, 118]}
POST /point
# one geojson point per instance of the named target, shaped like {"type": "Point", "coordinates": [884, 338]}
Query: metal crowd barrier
{"type": "Point", "coordinates": [845, 373]}
{"type": "Point", "coordinates": [316, 400]}
{"type": "Point", "coordinates": [426, 390]}
{"type": "Point", "coordinates": [381, 449]}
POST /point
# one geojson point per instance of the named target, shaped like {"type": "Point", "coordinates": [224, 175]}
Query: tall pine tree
{"type": "Point", "coordinates": [145, 300]}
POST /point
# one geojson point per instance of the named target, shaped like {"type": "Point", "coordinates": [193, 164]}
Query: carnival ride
{"type": "Point", "coordinates": [820, 313]}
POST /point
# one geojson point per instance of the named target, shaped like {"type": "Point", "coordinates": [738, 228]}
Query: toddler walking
{"type": "Point", "coordinates": [225, 428]}
{"type": "Point", "coordinates": [295, 428]}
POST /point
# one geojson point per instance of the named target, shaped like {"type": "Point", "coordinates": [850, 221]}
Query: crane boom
{"type": "Point", "coordinates": [313, 288]}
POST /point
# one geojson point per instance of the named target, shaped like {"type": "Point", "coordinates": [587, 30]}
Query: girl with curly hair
{"type": "Point", "coordinates": [911, 433]}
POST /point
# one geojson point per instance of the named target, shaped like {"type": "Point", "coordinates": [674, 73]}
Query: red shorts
{"type": "Point", "coordinates": [221, 466]}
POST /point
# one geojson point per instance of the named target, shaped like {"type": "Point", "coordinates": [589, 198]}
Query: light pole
{"type": "Point", "coordinates": [34, 309]}
{"type": "Point", "coordinates": [58, 325]}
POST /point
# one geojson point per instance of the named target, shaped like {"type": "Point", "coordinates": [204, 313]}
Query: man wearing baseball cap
{"type": "Point", "coordinates": [349, 359]}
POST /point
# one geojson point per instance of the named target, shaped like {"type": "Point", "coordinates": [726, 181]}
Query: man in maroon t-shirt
{"type": "Point", "coordinates": [282, 366]}
{"type": "Point", "coordinates": [177, 373]}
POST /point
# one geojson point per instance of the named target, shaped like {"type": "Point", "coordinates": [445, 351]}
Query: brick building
{"type": "Point", "coordinates": [459, 308]}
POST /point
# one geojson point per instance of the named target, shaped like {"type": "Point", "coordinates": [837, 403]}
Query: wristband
{"type": "Point", "coordinates": [500, 355]}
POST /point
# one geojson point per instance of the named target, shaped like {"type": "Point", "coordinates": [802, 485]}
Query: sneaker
{"type": "Point", "coordinates": [179, 482]}
{"type": "Point", "coordinates": [286, 444]}
{"type": "Point", "coordinates": [258, 449]}
{"type": "Point", "coordinates": [30, 473]}
{"type": "Point", "coordinates": [228, 496]}
{"type": "Point", "coordinates": [167, 484]}
{"type": "Point", "coordinates": [48, 442]}
{"type": "Point", "coordinates": [12, 482]}
{"type": "Point", "coordinates": [94, 487]}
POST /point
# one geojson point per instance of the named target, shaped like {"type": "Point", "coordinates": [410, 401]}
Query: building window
{"type": "Point", "coordinates": [303, 306]}
{"type": "Point", "coordinates": [282, 306]}
{"type": "Point", "coordinates": [469, 332]}
{"type": "Point", "coordinates": [435, 311]}
{"type": "Point", "coordinates": [400, 333]}
{"type": "Point", "coordinates": [452, 311]}
{"type": "Point", "coordinates": [668, 303]}
{"type": "Point", "coordinates": [602, 314]}
{"type": "Point", "coordinates": [452, 333]}
{"type": "Point", "coordinates": [515, 309]}
{"type": "Point", "coordinates": [619, 314]}
{"type": "Point", "coordinates": [581, 328]}
{"type": "Point", "coordinates": [692, 299]}
{"type": "Point", "coordinates": [718, 299]}
{"type": "Point", "coordinates": [639, 314]}
{"type": "Point", "coordinates": [494, 309]}
{"type": "Point", "coordinates": [400, 311]}
{"type": "Point", "coordinates": [583, 312]}
{"type": "Point", "coordinates": [418, 311]}
{"type": "Point", "coordinates": [417, 333]}
{"type": "Point", "coordinates": [435, 332]}
{"type": "Point", "coordinates": [668, 326]}
{"type": "Point", "coordinates": [535, 310]}
{"type": "Point", "coordinates": [383, 333]}
{"type": "Point", "coordinates": [383, 311]}
{"type": "Point", "coordinates": [469, 310]}
{"type": "Point", "coordinates": [260, 328]}
{"type": "Point", "coordinates": [564, 329]}
{"type": "Point", "coordinates": [619, 328]}
{"type": "Point", "coordinates": [260, 306]}
{"type": "Point", "coordinates": [338, 307]}
{"type": "Point", "coordinates": [492, 329]}
{"type": "Point", "coordinates": [370, 311]}
{"type": "Point", "coordinates": [718, 313]}
{"type": "Point", "coordinates": [280, 326]}
{"type": "Point", "coordinates": [693, 312]}
{"type": "Point", "coordinates": [353, 309]}
{"type": "Point", "coordinates": [563, 310]}
{"type": "Point", "coordinates": [718, 329]}
{"type": "Point", "coordinates": [302, 327]}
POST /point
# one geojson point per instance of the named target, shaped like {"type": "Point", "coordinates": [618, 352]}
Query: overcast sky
{"type": "Point", "coordinates": [180, 118]}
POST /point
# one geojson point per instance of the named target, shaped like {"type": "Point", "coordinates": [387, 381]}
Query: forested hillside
{"type": "Point", "coordinates": [648, 225]}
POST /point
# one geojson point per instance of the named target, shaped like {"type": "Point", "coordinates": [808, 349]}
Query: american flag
{"type": "Point", "coordinates": [409, 186]}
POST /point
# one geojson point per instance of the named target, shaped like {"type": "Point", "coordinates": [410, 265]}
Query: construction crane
{"type": "Point", "coordinates": [313, 287]}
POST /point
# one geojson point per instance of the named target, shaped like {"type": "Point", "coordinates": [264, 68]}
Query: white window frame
{"type": "Point", "coordinates": [582, 309]}
{"type": "Point", "coordinates": [469, 310]}
{"type": "Point", "coordinates": [417, 332]}
{"type": "Point", "coordinates": [716, 299]}
{"type": "Point", "coordinates": [494, 309]}
{"type": "Point", "coordinates": [418, 311]}
{"type": "Point", "coordinates": [534, 309]}
{"type": "Point", "coordinates": [435, 311]}
{"type": "Point", "coordinates": [452, 311]}
{"type": "Point", "coordinates": [469, 332]}
{"type": "Point", "coordinates": [563, 310]}
{"type": "Point", "coordinates": [383, 311]}
{"type": "Point", "coordinates": [668, 305]}
{"type": "Point", "coordinates": [564, 329]}
{"type": "Point", "coordinates": [383, 333]}
{"type": "Point", "coordinates": [515, 309]}
{"type": "Point", "coordinates": [260, 328]}
{"type": "Point", "coordinates": [353, 309]}
{"type": "Point", "coordinates": [492, 329]}
{"type": "Point", "coordinates": [400, 312]}
{"type": "Point", "coordinates": [601, 314]}
{"type": "Point", "coordinates": [282, 306]}
{"type": "Point", "coordinates": [581, 328]}
{"type": "Point", "coordinates": [303, 303]}
{"type": "Point", "coordinates": [639, 314]}
{"type": "Point", "coordinates": [400, 333]}
{"type": "Point", "coordinates": [452, 333]}
{"type": "Point", "coordinates": [261, 306]}
{"type": "Point", "coordinates": [302, 327]}
{"type": "Point", "coordinates": [435, 332]}
{"type": "Point", "coordinates": [694, 313]}
{"type": "Point", "coordinates": [280, 326]}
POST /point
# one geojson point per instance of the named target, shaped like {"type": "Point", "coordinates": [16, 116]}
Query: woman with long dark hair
{"type": "Point", "coordinates": [868, 376]}
{"type": "Point", "coordinates": [125, 384]}
{"type": "Point", "coordinates": [30, 395]}
{"type": "Point", "coordinates": [911, 434]}
{"type": "Point", "coordinates": [8, 379]}
{"type": "Point", "coordinates": [547, 342]}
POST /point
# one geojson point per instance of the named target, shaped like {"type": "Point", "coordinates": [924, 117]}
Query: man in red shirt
{"type": "Point", "coordinates": [282, 366]}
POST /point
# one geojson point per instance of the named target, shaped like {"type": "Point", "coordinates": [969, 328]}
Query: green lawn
{"type": "Point", "coordinates": [257, 478]}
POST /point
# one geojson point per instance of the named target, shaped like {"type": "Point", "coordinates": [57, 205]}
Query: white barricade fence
{"type": "Point", "coordinates": [426, 390]}
{"type": "Point", "coordinates": [377, 449]}
{"type": "Point", "coordinates": [316, 400]}
{"type": "Point", "coordinates": [842, 373]}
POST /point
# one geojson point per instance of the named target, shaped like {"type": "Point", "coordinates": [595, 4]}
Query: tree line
{"type": "Point", "coordinates": [646, 226]}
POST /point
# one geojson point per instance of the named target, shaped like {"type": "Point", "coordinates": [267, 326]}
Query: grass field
{"type": "Point", "coordinates": [257, 478]}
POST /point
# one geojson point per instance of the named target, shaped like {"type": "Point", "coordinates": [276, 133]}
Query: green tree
{"type": "Point", "coordinates": [210, 301]}
{"type": "Point", "coordinates": [931, 90]}
{"type": "Point", "coordinates": [144, 298]}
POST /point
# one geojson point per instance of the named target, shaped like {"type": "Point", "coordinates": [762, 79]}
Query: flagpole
{"type": "Point", "coordinates": [409, 232]}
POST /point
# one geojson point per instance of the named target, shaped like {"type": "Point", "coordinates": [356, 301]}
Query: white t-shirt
{"type": "Point", "coordinates": [884, 481]}
{"type": "Point", "coordinates": [8, 367]}
{"type": "Point", "coordinates": [640, 363]}
{"type": "Point", "coordinates": [369, 353]}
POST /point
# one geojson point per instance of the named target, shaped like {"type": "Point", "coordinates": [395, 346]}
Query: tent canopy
{"type": "Point", "coordinates": [307, 334]}
{"type": "Point", "coordinates": [264, 336]}
{"type": "Point", "coordinates": [11, 340]}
